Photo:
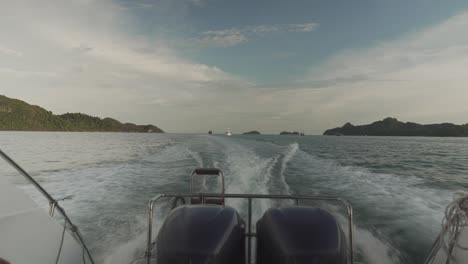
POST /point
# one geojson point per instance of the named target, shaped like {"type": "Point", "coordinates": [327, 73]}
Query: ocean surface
{"type": "Point", "coordinates": [398, 186]}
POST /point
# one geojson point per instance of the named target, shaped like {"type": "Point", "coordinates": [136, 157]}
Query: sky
{"type": "Point", "coordinates": [189, 66]}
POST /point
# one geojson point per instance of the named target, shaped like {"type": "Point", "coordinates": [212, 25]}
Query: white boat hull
{"type": "Point", "coordinates": [29, 234]}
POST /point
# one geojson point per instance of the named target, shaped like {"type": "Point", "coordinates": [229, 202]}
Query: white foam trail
{"type": "Point", "coordinates": [393, 201]}
{"type": "Point", "coordinates": [290, 153]}
{"type": "Point", "coordinates": [246, 172]}
{"type": "Point", "coordinates": [196, 156]}
{"type": "Point", "coordinates": [247, 175]}
{"type": "Point", "coordinates": [269, 169]}
{"type": "Point", "coordinates": [385, 192]}
{"type": "Point", "coordinates": [372, 248]}
{"type": "Point", "coordinates": [130, 250]}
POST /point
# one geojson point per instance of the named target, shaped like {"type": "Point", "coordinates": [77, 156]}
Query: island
{"type": "Point", "coordinates": [254, 132]}
{"type": "Point", "coordinates": [287, 133]}
{"type": "Point", "coordinates": [392, 127]}
{"type": "Point", "coordinates": [16, 115]}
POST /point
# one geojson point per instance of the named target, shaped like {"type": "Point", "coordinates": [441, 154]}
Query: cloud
{"type": "Point", "coordinates": [235, 36]}
{"type": "Point", "coordinates": [307, 27]}
{"type": "Point", "coordinates": [152, 4]}
{"type": "Point", "coordinates": [262, 29]}
{"type": "Point", "coordinates": [222, 38]}
{"type": "Point", "coordinates": [68, 33]}
{"type": "Point", "coordinates": [197, 2]}
{"type": "Point", "coordinates": [10, 52]}
{"type": "Point", "coordinates": [440, 43]}
{"type": "Point", "coordinates": [419, 76]}
{"type": "Point", "coordinates": [82, 48]}
{"type": "Point", "coordinates": [10, 72]}
{"type": "Point", "coordinates": [83, 56]}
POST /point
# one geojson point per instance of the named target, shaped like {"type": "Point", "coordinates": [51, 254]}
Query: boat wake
{"type": "Point", "coordinates": [290, 153]}
{"type": "Point", "coordinates": [110, 197]}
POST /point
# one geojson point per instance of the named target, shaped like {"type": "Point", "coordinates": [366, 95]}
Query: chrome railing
{"type": "Point", "coordinates": [206, 172]}
{"type": "Point", "coordinates": [53, 204]}
{"type": "Point", "coordinates": [249, 197]}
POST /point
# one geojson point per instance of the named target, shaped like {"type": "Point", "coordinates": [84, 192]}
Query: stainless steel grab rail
{"type": "Point", "coordinates": [204, 172]}
{"type": "Point", "coordinates": [249, 233]}
{"type": "Point", "coordinates": [53, 204]}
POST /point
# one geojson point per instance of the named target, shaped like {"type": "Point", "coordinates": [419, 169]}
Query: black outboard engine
{"type": "Point", "coordinates": [201, 234]}
{"type": "Point", "coordinates": [300, 235]}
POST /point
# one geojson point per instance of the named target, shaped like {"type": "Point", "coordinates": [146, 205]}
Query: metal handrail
{"type": "Point", "coordinates": [249, 234]}
{"type": "Point", "coordinates": [196, 172]}
{"type": "Point", "coordinates": [53, 204]}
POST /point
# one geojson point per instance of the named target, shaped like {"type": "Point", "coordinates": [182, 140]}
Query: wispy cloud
{"type": "Point", "coordinates": [197, 2]}
{"type": "Point", "coordinates": [307, 27]}
{"type": "Point", "coordinates": [25, 73]}
{"type": "Point", "coordinates": [222, 38]}
{"type": "Point", "coordinates": [10, 52]}
{"type": "Point", "coordinates": [151, 4]}
{"type": "Point", "coordinates": [235, 36]}
{"type": "Point", "coordinates": [80, 52]}
{"type": "Point", "coordinates": [419, 77]}
{"type": "Point", "coordinates": [438, 44]}
{"type": "Point", "coordinates": [261, 29]}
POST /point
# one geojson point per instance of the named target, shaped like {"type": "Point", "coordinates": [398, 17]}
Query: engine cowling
{"type": "Point", "coordinates": [197, 234]}
{"type": "Point", "coordinates": [300, 235]}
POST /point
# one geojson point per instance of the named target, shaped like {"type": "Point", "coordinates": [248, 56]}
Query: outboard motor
{"type": "Point", "coordinates": [300, 235]}
{"type": "Point", "coordinates": [201, 234]}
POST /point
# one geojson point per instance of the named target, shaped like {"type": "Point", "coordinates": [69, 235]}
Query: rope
{"type": "Point", "coordinates": [62, 239]}
{"type": "Point", "coordinates": [61, 243]}
{"type": "Point", "coordinates": [453, 223]}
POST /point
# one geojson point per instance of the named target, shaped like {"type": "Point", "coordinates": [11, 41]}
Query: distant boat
{"type": "Point", "coordinates": [210, 132]}
{"type": "Point", "coordinates": [228, 132]}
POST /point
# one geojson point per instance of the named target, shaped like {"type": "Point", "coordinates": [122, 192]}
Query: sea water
{"type": "Point", "coordinates": [398, 186]}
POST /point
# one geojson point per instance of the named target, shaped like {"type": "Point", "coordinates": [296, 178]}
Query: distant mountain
{"type": "Point", "coordinates": [254, 132]}
{"type": "Point", "coordinates": [17, 115]}
{"type": "Point", "coordinates": [392, 127]}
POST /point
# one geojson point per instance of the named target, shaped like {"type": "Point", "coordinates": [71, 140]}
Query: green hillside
{"type": "Point", "coordinates": [392, 127]}
{"type": "Point", "coordinates": [16, 115]}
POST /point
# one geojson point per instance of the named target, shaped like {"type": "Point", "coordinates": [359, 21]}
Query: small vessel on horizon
{"type": "Point", "coordinates": [228, 132]}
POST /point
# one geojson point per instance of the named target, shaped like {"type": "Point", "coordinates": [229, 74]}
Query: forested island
{"type": "Point", "coordinates": [16, 115]}
{"type": "Point", "coordinates": [254, 132]}
{"type": "Point", "coordinates": [295, 133]}
{"type": "Point", "coordinates": [392, 127]}
{"type": "Point", "coordinates": [287, 133]}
